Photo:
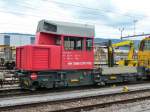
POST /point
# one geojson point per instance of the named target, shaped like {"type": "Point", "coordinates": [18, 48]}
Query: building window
{"type": "Point", "coordinates": [88, 44]}
{"type": "Point", "coordinates": [6, 40]}
{"type": "Point", "coordinates": [73, 43]}
{"type": "Point", "coordinates": [32, 39]}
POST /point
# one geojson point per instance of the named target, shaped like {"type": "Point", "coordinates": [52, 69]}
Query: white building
{"type": "Point", "coordinates": [16, 39]}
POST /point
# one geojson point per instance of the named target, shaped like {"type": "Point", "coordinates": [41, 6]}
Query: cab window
{"type": "Point", "coordinates": [146, 45]}
{"type": "Point", "coordinates": [88, 44]}
{"type": "Point", "coordinates": [58, 40]}
{"type": "Point", "coordinates": [141, 46]}
{"type": "Point", "coordinates": [73, 43]}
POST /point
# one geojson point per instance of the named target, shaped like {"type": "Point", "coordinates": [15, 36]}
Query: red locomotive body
{"type": "Point", "coordinates": [54, 51]}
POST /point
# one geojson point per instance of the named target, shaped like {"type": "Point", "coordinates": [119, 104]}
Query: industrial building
{"type": "Point", "coordinates": [16, 39]}
{"type": "Point", "coordinates": [9, 42]}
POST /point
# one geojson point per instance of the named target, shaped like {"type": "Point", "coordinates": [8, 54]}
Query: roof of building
{"type": "Point", "coordinates": [9, 33]}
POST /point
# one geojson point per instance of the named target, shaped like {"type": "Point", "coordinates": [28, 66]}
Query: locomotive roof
{"type": "Point", "coordinates": [66, 28]}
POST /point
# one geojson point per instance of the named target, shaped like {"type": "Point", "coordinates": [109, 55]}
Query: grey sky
{"type": "Point", "coordinates": [107, 15]}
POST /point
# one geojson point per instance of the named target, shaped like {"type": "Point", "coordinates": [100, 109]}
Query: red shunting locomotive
{"type": "Point", "coordinates": [61, 56]}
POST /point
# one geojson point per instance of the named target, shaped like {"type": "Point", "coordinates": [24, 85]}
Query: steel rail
{"type": "Point", "coordinates": [87, 98]}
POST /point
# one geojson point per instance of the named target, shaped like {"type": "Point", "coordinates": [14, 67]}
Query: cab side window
{"type": "Point", "coordinates": [141, 45]}
{"type": "Point", "coordinates": [58, 40]}
{"type": "Point", "coordinates": [89, 44]}
{"type": "Point", "coordinates": [146, 45]}
{"type": "Point", "coordinates": [73, 43]}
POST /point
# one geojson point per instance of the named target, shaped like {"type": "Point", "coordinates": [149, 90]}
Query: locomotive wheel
{"type": "Point", "coordinates": [21, 85]}
{"type": "Point", "coordinates": [101, 83]}
{"type": "Point", "coordinates": [34, 86]}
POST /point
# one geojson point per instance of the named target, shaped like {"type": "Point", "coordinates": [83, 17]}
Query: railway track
{"type": "Point", "coordinates": [73, 102]}
{"type": "Point", "coordinates": [103, 105]}
{"type": "Point", "coordinates": [14, 91]}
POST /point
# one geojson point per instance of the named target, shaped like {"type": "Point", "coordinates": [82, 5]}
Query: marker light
{"type": "Point", "coordinates": [33, 76]}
